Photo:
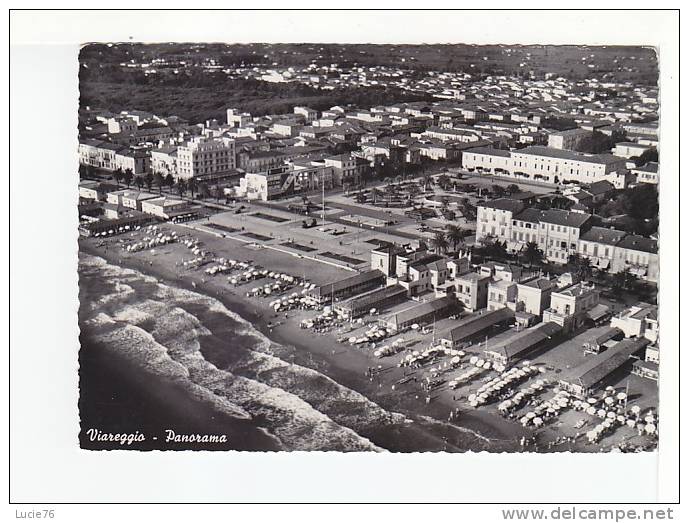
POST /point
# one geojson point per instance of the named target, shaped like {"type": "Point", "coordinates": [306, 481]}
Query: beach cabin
{"type": "Point", "coordinates": [582, 380]}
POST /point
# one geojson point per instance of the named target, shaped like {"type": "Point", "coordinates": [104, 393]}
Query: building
{"type": "Point", "coordinates": [472, 326]}
{"type": "Point", "coordinates": [347, 287]}
{"type": "Point", "coordinates": [637, 321]}
{"type": "Point", "coordinates": [384, 258]}
{"type": "Point", "coordinates": [99, 154]}
{"type": "Point", "coordinates": [309, 114]}
{"type": "Point", "coordinates": [647, 173]}
{"type": "Point", "coordinates": [237, 119]}
{"type": "Point", "coordinates": [639, 255]}
{"type": "Point", "coordinates": [630, 149]}
{"type": "Point", "coordinates": [376, 299]}
{"type": "Point", "coordinates": [568, 306]}
{"type": "Point", "coordinates": [598, 245]}
{"type": "Point", "coordinates": [502, 294]}
{"type": "Point", "coordinates": [471, 289]}
{"type": "Point", "coordinates": [534, 295]}
{"type": "Point", "coordinates": [269, 185]}
{"type": "Point", "coordinates": [591, 374]}
{"type": "Point", "coordinates": [135, 160]}
{"type": "Point", "coordinates": [421, 314]}
{"type": "Point", "coordinates": [559, 232]}
{"type": "Point", "coordinates": [344, 169]}
{"type": "Point", "coordinates": [494, 219]}
{"type": "Point", "coordinates": [129, 198]}
{"type": "Point", "coordinates": [203, 156]}
{"type": "Point", "coordinates": [547, 165]}
{"type": "Point", "coordinates": [164, 161]}
{"type": "Point", "coordinates": [95, 190]}
{"type": "Point", "coordinates": [568, 139]}
{"type": "Point", "coordinates": [164, 207]}
{"type": "Point", "coordinates": [523, 344]}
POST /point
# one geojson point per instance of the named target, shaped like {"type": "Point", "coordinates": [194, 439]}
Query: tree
{"type": "Point", "coordinates": [149, 180]}
{"type": "Point", "coordinates": [439, 242]}
{"type": "Point", "coordinates": [117, 175]}
{"type": "Point", "coordinates": [444, 181]}
{"type": "Point", "coordinates": [650, 155]}
{"type": "Point", "coordinates": [192, 185]}
{"type": "Point", "coordinates": [532, 254]}
{"type": "Point", "coordinates": [159, 181]}
{"type": "Point", "coordinates": [128, 176]}
{"type": "Point", "coordinates": [497, 190]}
{"type": "Point", "coordinates": [169, 180]}
{"type": "Point", "coordinates": [512, 188]}
{"type": "Point", "coordinates": [181, 186]}
{"type": "Point", "coordinates": [455, 235]}
{"type": "Point", "coordinates": [139, 181]}
{"type": "Point", "coordinates": [204, 192]}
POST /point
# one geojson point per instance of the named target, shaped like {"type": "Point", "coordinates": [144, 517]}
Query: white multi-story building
{"type": "Point", "coordinates": [568, 139]}
{"type": "Point", "coordinates": [202, 156]}
{"type": "Point", "coordinates": [548, 165]}
{"type": "Point", "coordinates": [494, 219]}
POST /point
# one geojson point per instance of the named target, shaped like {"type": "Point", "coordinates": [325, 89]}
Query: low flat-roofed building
{"type": "Point", "coordinates": [164, 206]}
{"type": "Point", "coordinates": [129, 198]}
{"type": "Point", "coordinates": [95, 190]}
{"type": "Point", "coordinates": [348, 287]}
{"type": "Point", "coordinates": [471, 326]}
{"type": "Point", "coordinates": [591, 374]}
{"type": "Point", "coordinates": [375, 299]}
{"type": "Point", "coordinates": [647, 173]}
{"type": "Point", "coordinates": [636, 319]}
{"type": "Point", "coordinates": [422, 313]}
{"type": "Point", "coordinates": [524, 343]}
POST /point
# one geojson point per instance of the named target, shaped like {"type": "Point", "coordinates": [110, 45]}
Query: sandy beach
{"type": "Point", "coordinates": [438, 420]}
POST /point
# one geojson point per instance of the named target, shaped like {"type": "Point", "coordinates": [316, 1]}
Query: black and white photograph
{"type": "Point", "coordinates": [357, 246]}
{"type": "Point", "coordinates": [369, 247]}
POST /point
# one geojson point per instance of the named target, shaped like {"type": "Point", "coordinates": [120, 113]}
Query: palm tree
{"type": "Point", "coordinates": [455, 235]}
{"type": "Point", "coordinates": [585, 269]}
{"type": "Point", "coordinates": [439, 242]}
{"type": "Point", "coordinates": [533, 254]}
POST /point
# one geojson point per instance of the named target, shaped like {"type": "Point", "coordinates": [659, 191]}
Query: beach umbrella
{"type": "Point", "coordinates": [473, 360]}
{"type": "Point", "coordinates": [631, 423]}
{"type": "Point", "coordinates": [621, 418]}
{"type": "Point", "coordinates": [636, 409]}
{"type": "Point", "coordinates": [471, 397]}
{"type": "Point", "coordinates": [621, 396]}
{"type": "Point", "coordinates": [592, 401]}
{"type": "Point", "coordinates": [602, 413]}
{"type": "Point", "coordinates": [612, 415]}
{"type": "Point", "coordinates": [480, 363]}
{"type": "Point", "coordinates": [649, 418]}
{"type": "Point", "coordinates": [415, 326]}
{"type": "Point", "coordinates": [530, 415]}
{"type": "Point", "coordinates": [486, 365]}
{"type": "Point", "coordinates": [524, 420]}
{"type": "Point", "coordinates": [538, 422]}
{"type": "Point", "coordinates": [650, 428]}
{"type": "Point", "coordinates": [591, 411]}
{"type": "Point", "coordinates": [609, 401]}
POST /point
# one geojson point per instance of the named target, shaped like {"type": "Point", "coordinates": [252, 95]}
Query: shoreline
{"type": "Point", "coordinates": [473, 430]}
